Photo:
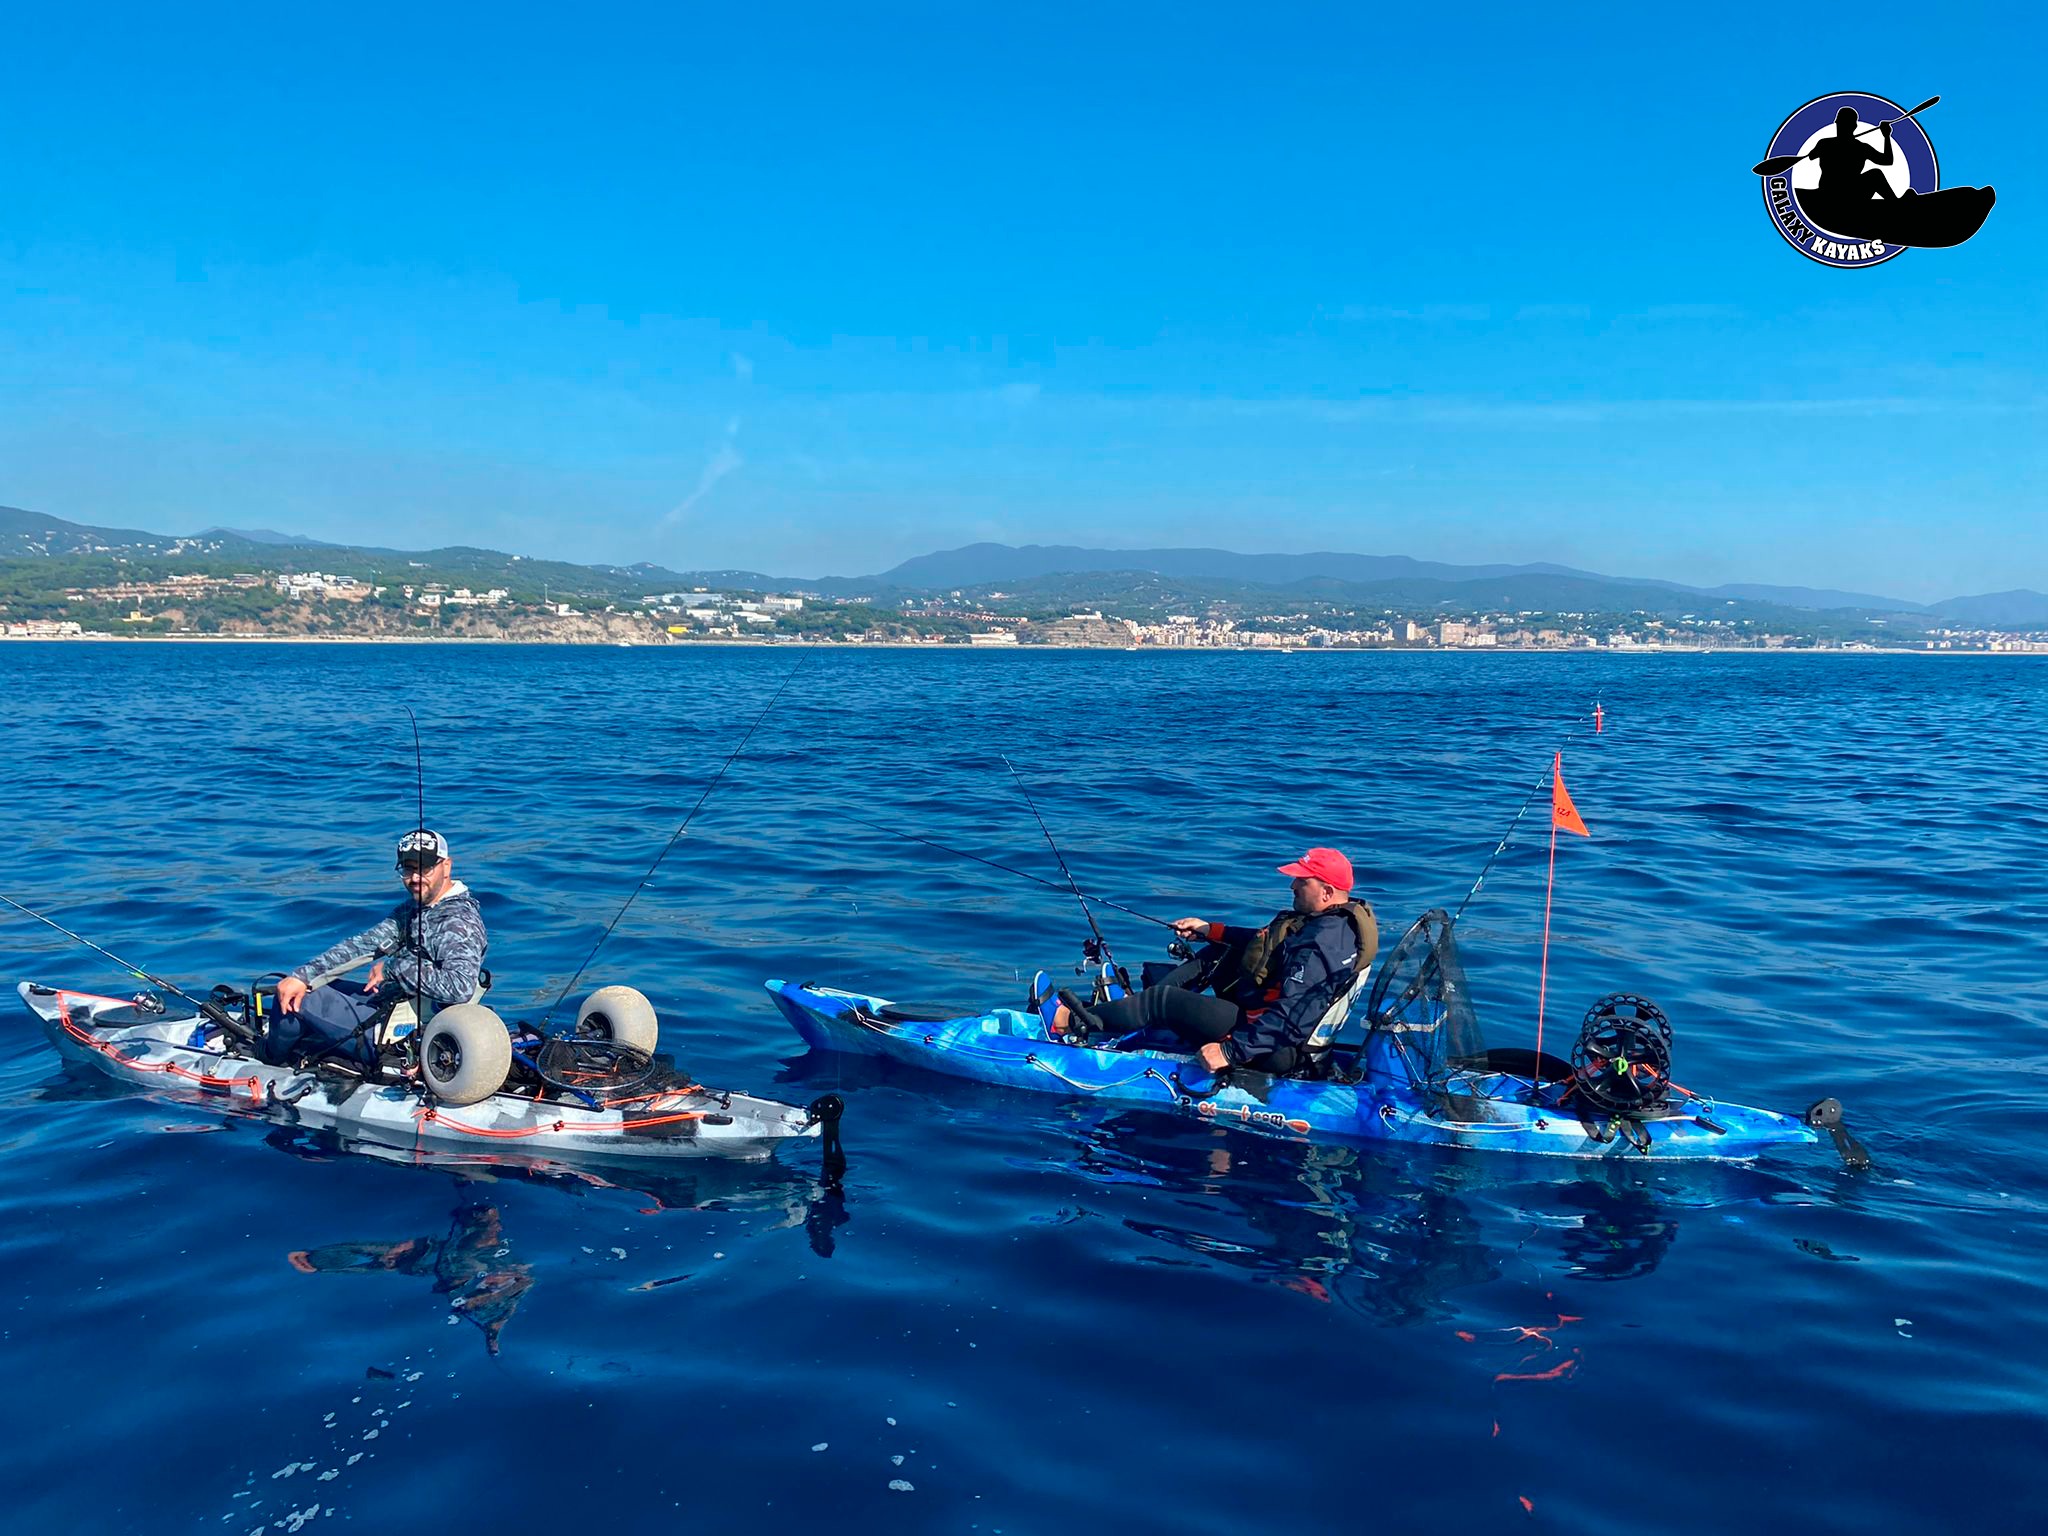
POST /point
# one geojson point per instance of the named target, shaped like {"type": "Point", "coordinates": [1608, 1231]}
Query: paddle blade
{"type": "Point", "coordinates": [1775, 165]}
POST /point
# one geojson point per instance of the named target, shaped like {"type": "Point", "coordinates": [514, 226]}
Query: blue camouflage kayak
{"type": "Point", "coordinates": [1419, 1075]}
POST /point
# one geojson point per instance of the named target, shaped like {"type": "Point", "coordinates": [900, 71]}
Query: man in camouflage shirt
{"type": "Point", "coordinates": [431, 945]}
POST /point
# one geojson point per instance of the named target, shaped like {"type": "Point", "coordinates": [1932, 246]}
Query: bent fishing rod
{"type": "Point", "coordinates": [1008, 869]}
{"type": "Point", "coordinates": [730, 758]}
{"type": "Point", "coordinates": [1097, 950]}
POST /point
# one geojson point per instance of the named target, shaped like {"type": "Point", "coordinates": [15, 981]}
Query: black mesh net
{"type": "Point", "coordinates": [598, 1071]}
{"type": "Point", "coordinates": [1420, 1004]}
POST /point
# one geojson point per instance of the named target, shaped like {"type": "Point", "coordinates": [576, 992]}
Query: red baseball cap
{"type": "Point", "coordinates": [1324, 864]}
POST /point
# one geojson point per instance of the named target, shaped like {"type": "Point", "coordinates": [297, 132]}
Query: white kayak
{"type": "Point", "coordinates": [169, 1048]}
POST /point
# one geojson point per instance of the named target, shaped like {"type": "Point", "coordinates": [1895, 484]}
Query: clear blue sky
{"type": "Point", "coordinates": [814, 289]}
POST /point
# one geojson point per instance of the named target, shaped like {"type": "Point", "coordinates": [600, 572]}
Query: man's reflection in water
{"type": "Point", "coordinates": [1397, 1239]}
{"type": "Point", "coordinates": [1325, 1224]}
{"type": "Point", "coordinates": [1622, 1234]}
{"type": "Point", "coordinates": [467, 1266]}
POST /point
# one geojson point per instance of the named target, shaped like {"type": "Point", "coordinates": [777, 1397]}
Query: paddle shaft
{"type": "Point", "coordinates": [1778, 163]}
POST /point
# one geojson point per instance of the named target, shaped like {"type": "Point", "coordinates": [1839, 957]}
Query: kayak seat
{"type": "Point", "coordinates": [1321, 1037]}
{"type": "Point", "coordinates": [402, 1020]}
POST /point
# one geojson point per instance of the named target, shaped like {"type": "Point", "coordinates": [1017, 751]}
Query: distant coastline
{"type": "Point", "coordinates": [61, 579]}
{"type": "Point", "coordinates": [792, 643]}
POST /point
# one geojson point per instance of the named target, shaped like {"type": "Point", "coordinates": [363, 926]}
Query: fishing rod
{"type": "Point", "coordinates": [210, 1010]}
{"type": "Point", "coordinates": [731, 758]}
{"type": "Point", "coordinates": [1598, 717]}
{"type": "Point", "coordinates": [1008, 869]}
{"type": "Point", "coordinates": [419, 908]}
{"type": "Point", "coordinates": [1097, 949]}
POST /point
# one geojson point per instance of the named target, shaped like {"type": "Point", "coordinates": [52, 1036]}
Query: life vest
{"type": "Point", "coordinates": [1262, 951]}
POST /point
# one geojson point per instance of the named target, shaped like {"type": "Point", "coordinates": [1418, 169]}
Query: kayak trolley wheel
{"type": "Point", "coordinates": [465, 1052]}
{"type": "Point", "coordinates": [621, 1015]}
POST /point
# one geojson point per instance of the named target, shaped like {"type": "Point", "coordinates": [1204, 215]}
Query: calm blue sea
{"type": "Point", "coordinates": [1022, 1314]}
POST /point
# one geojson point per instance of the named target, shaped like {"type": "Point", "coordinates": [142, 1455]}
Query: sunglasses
{"type": "Point", "coordinates": [410, 866]}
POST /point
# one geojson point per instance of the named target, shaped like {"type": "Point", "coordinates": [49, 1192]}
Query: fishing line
{"type": "Point", "coordinates": [1542, 784]}
{"type": "Point", "coordinates": [1008, 869]}
{"type": "Point", "coordinates": [730, 759]}
{"type": "Point", "coordinates": [419, 908]}
{"type": "Point", "coordinates": [211, 1010]}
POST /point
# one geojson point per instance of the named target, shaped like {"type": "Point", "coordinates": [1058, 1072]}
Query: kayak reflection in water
{"type": "Point", "coordinates": [1270, 987]}
{"type": "Point", "coordinates": [466, 1266]}
{"type": "Point", "coordinates": [1844, 177]}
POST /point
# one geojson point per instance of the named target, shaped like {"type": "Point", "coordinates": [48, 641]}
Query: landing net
{"type": "Point", "coordinates": [1420, 1006]}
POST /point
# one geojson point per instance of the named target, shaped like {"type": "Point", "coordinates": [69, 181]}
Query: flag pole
{"type": "Point", "coordinates": [1549, 884]}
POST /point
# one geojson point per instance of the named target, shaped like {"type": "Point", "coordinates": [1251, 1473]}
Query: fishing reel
{"type": "Point", "coordinates": [1107, 979]}
{"type": "Point", "coordinates": [1621, 1062]}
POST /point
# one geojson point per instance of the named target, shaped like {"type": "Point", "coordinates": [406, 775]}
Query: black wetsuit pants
{"type": "Point", "coordinates": [1170, 1005]}
{"type": "Point", "coordinates": [1194, 1016]}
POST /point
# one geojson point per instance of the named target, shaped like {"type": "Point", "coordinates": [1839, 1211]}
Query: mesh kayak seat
{"type": "Point", "coordinates": [1325, 1033]}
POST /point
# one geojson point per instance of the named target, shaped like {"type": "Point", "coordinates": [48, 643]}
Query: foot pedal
{"type": "Point", "coordinates": [1045, 1001]}
{"type": "Point", "coordinates": [1081, 1023]}
{"type": "Point", "coordinates": [1111, 984]}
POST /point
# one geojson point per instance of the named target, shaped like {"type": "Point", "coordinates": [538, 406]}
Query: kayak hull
{"type": "Point", "coordinates": [169, 1055]}
{"type": "Point", "coordinates": [1493, 1111]}
{"type": "Point", "coordinates": [1926, 219]}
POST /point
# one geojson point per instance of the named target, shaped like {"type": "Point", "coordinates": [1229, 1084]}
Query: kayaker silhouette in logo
{"type": "Point", "coordinates": [1841, 155]}
{"type": "Point", "coordinates": [1843, 200]}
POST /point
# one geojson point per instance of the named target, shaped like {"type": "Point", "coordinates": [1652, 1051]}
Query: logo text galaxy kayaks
{"type": "Point", "coordinates": [1851, 180]}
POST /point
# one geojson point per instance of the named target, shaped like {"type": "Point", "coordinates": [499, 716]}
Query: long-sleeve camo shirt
{"type": "Point", "coordinates": [439, 952]}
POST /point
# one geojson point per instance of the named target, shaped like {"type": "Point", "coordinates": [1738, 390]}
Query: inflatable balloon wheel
{"type": "Point", "coordinates": [465, 1052]}
{"type": "Point", "coordinates": [621, 1015]}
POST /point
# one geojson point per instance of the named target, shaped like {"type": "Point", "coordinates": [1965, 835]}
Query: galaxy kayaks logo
{"type": "Point", "coordinates": [1851, 180]}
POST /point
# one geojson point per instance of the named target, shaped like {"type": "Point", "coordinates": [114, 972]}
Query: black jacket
{"type": "Point", "coordinates": [1309, 972]}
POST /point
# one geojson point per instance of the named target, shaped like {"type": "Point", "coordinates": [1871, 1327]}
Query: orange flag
{"type": "Point", "coordinates": [1563, 814]}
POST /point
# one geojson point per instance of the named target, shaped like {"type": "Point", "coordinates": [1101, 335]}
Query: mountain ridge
{"type": "Point", "coordinates": [986, 567]}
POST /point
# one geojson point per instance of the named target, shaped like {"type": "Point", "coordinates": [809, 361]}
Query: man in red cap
{"type": "Point", "coordinates": [1271, 985]}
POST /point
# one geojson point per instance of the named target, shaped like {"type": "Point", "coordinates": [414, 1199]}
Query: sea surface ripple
{"type": "Point", "coordinates": [1020, 1313]}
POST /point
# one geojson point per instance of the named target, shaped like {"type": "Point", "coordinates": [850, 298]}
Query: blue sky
{"type": "Point", "coordinates": [815, 289]}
